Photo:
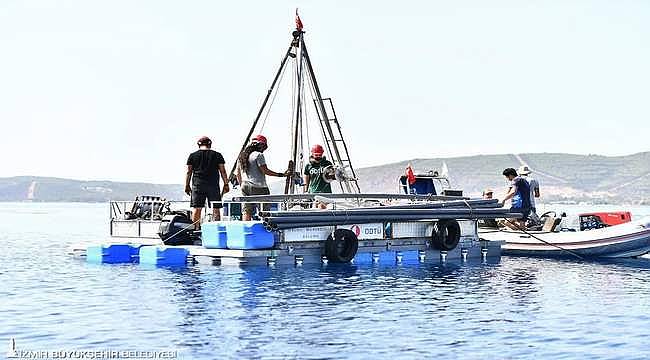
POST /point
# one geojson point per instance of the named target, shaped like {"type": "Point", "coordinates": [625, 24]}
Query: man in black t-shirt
{"type": "Point", "coordinates": [203, 168]}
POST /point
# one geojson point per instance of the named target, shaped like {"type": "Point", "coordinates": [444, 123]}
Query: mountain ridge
{"type": "Point", "coordinates": [563, 178]}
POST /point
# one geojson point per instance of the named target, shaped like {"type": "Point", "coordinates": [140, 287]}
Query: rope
{"type": "Point", "coordinates": [545, 242]}
{"type": "Point", "coordinates": [471, 210]}
{"type": "Point", "coordinates": [312, 90]}
{"type": "Point", "coordinates": [272, 100]}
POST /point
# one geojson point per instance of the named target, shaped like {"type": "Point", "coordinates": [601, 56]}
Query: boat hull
{"type": "Point", "coordinates": [625, 240]}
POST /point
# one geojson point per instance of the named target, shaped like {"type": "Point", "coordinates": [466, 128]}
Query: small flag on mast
{"type": "Point", "coordinates": [410, 177]}
{"type": "Point", "coordinates": [298, 22]}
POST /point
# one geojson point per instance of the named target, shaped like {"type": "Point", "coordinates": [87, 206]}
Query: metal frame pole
{"type": "Point", "coordinates": [266, 99]}
{"type": "Point", "coordinates": [298, 118]}
{"type": "Point", "coordinates": [321, 105]}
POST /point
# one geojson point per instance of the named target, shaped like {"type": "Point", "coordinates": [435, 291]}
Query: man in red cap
{"type": "Point", "coordinates": [314, 181]}
{"type": "Point", "coordinates": [252, 171]}
{"type": "Point", "coordinates": [203, 168]}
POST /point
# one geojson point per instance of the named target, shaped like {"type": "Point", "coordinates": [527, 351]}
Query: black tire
{"type": "Point", "coordinates": [341, 246]}
{"type": "Point", "coordinates": [446, 235]}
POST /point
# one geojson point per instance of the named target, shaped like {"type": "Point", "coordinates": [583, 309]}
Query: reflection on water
{"type": "Point", "coordinates": [516, 307]}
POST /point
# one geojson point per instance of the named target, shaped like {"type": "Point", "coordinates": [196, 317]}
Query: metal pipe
{"type": "Point", "coordinates": [482, 204]}
{"type": "Point", "coordinates": [420, 205]}
{"type": "Point", "coordinates": [373, 196]}
{"type": "Point", "coordinates": [389, 218]}
{"type": "Point", "coordinates": [423, 205]}
{"type": "Point", "coordinates": [295, 226]}
{"type": "Point", "coordinates": [298, 113]}
{"type": "Point", "coordinates": [415, 213]}
{"type": "Point", "coordinates": [284, 226]}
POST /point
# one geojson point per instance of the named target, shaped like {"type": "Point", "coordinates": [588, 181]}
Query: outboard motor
{"type": "Point", "coordinates": [176, 228]}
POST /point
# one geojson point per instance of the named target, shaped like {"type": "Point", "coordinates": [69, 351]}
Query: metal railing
{"type": "Point", "coordinates": [140, 218]}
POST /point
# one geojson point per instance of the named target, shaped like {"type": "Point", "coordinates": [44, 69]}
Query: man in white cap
{"type": "Point", "coordinates": [524, 171]}
{"type": "Point", "coordinates": [487, 194]}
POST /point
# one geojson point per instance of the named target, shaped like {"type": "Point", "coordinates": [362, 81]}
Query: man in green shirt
{"type": "Point", "coordinates": [314, 181]}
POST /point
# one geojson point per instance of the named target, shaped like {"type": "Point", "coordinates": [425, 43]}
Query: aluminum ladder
{"type": "Point", "coordinates": [331, 131]}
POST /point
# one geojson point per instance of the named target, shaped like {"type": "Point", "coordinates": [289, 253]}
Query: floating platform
{"type": "Point", "coordinates": [425, 231]}
{"type": "Point", "coordinates": [383, 251]}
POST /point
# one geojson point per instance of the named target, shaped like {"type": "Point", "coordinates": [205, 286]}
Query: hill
{"type": "Point", "coordinates": [563, 177]}
{"type": "Point", "coordinates": [32, 188]}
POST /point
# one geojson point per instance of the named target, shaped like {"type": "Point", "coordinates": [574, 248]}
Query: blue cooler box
{"type": "Point", "coordinates": [214, 235]}
{"type": "Point", "coordinates": [247, 235]}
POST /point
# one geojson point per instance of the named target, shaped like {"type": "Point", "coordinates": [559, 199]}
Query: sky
{"type": "Point", "coordinates": [121, 90]}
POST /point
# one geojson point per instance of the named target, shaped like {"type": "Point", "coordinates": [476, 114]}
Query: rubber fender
{"type": "Point", "coordinates": [341, 246]}
{"type": "Point", "coordinates": [446, 235]}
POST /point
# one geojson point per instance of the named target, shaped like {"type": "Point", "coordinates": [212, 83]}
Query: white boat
{"type": "Point", "coordinates": [624, 240]}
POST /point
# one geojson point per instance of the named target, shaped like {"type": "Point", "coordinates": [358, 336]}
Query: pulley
{"type": "Point", "coordinates": [338, 173]}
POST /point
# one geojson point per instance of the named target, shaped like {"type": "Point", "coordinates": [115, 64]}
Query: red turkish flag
{"type": "Point", "coordinates": [298, 22]}
{"type": "Point", "coordinates": [409, 175]}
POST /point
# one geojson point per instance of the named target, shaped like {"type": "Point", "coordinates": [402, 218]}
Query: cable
{"type": "Point", "coordinates": [312, 89]}
{"type": "Point", "coordinates": [277, 90]}
{"type": "Point", "coordinates": [471, 210]}
{"type": "Point", "coordinates": [545, 242]}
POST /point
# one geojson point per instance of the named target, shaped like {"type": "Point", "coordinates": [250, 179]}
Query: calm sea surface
{"type": "Point", "coordinates": [510, 308]}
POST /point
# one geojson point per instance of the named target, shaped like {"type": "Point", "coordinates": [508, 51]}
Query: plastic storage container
{"type": "Point", "coordinates": [214, 235]}
{"type": "Point", "coordinates": [163, 255]}
{"type": "Point", "coordinates": [248, 235]}
{"type": "Point", "coordinates": [112, 254]}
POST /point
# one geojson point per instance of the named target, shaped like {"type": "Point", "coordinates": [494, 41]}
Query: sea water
{"type": "Point", "coordinates": [507, 308]}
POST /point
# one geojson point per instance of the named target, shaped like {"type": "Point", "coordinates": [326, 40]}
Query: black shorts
{"type": "Point", "coordinates": [199, 195]}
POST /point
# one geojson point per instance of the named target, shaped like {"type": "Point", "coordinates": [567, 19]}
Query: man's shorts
{"type": "Point", "coordinates": [200, 194]}
{"type": "Point", "coordinates": [248, 190]}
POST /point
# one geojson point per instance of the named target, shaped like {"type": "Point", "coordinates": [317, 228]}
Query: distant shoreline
{"type": "Point", "coordinates": [563, 178]}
